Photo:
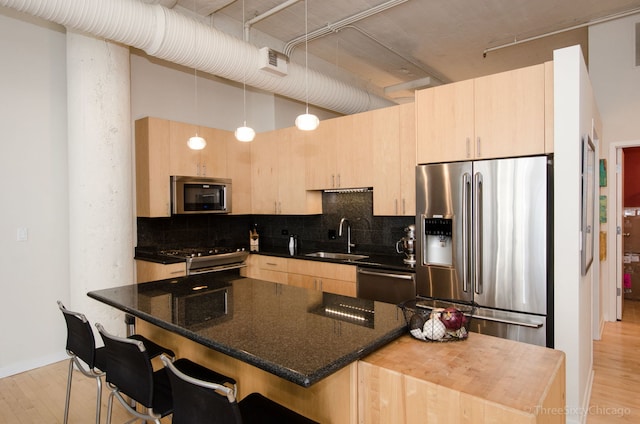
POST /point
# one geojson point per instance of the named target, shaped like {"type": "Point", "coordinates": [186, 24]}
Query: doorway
{"type": "Point", "coordinates": [622, 268]}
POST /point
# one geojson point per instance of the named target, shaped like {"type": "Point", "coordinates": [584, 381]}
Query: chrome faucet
{"type": "Point", "coordinates": [349, 244]}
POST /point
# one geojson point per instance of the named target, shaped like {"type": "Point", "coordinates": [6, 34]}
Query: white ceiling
{"type": "Point", "coordinates": [414, 39]}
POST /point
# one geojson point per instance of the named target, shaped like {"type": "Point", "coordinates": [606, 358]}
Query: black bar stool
{"type": "Point", "coordinates": [90, 360]}
{"type": "Point", "coordinates": [197, 399]}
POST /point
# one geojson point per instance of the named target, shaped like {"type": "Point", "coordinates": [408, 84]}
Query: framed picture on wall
{"type": "Point", "coordinates": [588, 205]}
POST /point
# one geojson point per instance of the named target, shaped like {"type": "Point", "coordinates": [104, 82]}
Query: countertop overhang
{"type": "Point", "coordinates": [281, 329]}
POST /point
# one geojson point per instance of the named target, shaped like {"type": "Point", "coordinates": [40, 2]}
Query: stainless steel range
{"type": "Point", "coordinates": [208, 259]}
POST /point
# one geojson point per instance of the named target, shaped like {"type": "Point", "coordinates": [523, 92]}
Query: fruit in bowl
{"type": "Point", "coordinates": [452, 318]}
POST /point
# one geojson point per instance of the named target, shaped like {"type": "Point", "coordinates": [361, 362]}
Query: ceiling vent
{"type": "Point", "coordinates": [273, 61]}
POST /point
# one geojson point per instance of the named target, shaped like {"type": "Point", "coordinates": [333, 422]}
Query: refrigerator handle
{"type": "Point", "coordinates": [466, 215]}
{"type": "Point", "coordinates": [477, 236]}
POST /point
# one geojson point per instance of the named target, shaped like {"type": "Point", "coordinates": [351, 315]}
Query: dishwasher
{"type": "Point", "coordinates": [385, 285]}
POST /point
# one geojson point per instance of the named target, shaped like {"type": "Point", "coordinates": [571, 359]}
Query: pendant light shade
{"type": "Point", "coordinates": [245, 133]}
{"type": "Point", "coordinates": [307, 122]}
{"type": "Point", "coordinates": [196, 142]}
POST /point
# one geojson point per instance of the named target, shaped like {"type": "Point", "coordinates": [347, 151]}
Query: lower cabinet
{"type": "Point", "coordinates": [322, 276]}
{"type": "Point", "coordinates": [313, 275]}
{"type": "Point", "coordinates": [152, 271]}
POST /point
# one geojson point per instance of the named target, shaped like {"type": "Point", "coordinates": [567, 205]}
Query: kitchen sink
{"type": "Point", "coordinates": [338, 256]}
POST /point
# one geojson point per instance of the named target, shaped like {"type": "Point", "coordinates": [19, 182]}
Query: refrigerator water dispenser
{"type": "Point", "coordinates": [439, 243]}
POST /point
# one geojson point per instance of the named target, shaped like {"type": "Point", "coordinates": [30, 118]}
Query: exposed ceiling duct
{"type": "Point", "coordinates": [168, 35]}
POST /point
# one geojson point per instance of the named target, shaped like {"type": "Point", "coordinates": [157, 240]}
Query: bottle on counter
{"type": "Point", "coordinates": [293, 244]}
{"type": "Point", "coordinates": [254, 239]}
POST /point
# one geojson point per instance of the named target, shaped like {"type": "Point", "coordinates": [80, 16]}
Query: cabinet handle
{"type": "Point", "coordinates": [478, 154]}
{"type": "Point", "coordinates": [275, 207]}
{"type": "Point", "coordinates": [279, 207]}
{"type": "Point", "coordinates": [176, 272]}
{"type": "Point", "coordinates": [339, 181]}
{"type": "Point", "coordinates": [404, 207]}
{"type": "Point", "coordinates": [271, 264]}
{"type": "Point", "coordinates": [204, 169]}
{"type": "Point", "coordinates": [396, 205]}
{"type": "Point", "coordinates": [468, 147]}
{"type": "Point", "coordinates": [333, 181]}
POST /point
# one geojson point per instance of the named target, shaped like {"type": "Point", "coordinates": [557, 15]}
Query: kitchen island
{"type": "Point", "coordinates": [338, 359]}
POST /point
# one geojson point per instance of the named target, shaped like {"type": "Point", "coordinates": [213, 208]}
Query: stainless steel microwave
{"type": "Point", "coordinates": [191, 195]}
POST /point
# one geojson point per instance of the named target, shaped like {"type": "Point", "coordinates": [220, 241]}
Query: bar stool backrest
{"type": "Point", "coordinates": [80, 340]}
{"type": "Point", "coordinates": [199, 401]}
{"type": "Point", "coordinates": [129, 367]}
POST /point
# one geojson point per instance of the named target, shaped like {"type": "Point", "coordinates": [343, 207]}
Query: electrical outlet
{"type": "Point", "coordinates": [332, 235]}
{"type": "Point", "coordinates": [285, 232]}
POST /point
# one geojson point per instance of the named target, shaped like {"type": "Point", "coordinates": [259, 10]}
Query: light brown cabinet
{"type": "Point", "coordinates": [339, 153]}
{"type": "Point", "coordinates": [500, 115]}
{"type": "Point", "coordinates": [313, 275]}
{"type": "Point", "coordinates": [278, 163]}
{"type": "Point", "coordinates": [322, 276]}
{"type": "Point", "coordinates": [152, 271]}
{"type": "Point", "coordinates": [394, 160]}
{"type": "Point", "coordinates": [208, 162]}
{"type": "Point", "coordinates": [161, 151]}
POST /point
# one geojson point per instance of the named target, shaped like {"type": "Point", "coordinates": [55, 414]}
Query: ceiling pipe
{"type": "Point", "coordinates": [169, 35]}
{"type": "Point", "coordinates": [336, 26]}
{"type": "Point", "coordinates": [272, 11]}
{"type": "Point", "coordinates": [515, 42]}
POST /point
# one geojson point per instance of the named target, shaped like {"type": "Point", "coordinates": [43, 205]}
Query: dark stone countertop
{"type": "Point", "coordinates": [288, 331]}
{"type": "Point", "coordinates": [374, 260]}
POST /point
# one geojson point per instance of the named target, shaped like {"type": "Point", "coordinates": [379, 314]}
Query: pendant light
{"type": "Point", "coordinates": [196, 142]}
{"type": "Point", "coordinates": [244, 133]}
{"type": "Point", "coordinates": [306, 121]}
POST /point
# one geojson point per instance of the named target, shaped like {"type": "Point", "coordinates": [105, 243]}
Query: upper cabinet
{"type": "Point", "coordinates": [161, 151]}
{"type": "Point", "coordinates": [339, 153]}
{"type": "Point", "coordinates": [500, 115]}
{"type": "Point", "coordinates": [208, 162]}
{"type": "Point", "coordinates": [394, 160]}
{"type": "Point", "coordinates": [278, 164]}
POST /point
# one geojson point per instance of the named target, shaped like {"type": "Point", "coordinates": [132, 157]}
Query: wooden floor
{"type": "Point", "coordinates": [615, 395]}
{"type": "Point", "coordinates": [37, 396]}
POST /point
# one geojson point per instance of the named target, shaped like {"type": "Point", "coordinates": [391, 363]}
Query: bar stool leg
{"type": "Point", "coordinates": [66, 402]}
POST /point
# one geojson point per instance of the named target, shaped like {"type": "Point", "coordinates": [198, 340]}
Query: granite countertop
{"type": "Point", "coordinates": [374, 260]}
{"type": "Point", "coordinates": [297, 334]}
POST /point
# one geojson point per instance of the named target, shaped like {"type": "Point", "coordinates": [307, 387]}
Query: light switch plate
{"type": "Point", "coordinates": [22, 234]}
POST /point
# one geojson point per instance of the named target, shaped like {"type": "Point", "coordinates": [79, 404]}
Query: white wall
{"type": "Point", "coordinates": [616, 84]}
{"type": "Point", "coordinates": [575, 115]}
{"type": "Point", "coordinates": [33, 168]}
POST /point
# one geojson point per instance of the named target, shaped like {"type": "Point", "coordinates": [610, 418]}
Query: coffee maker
{"type": "Point", "coordinates": [406, 245]}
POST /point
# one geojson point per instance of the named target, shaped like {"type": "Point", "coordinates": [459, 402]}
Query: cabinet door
{"type": "Point", "coordinates": [320, 154]}
{"type": "Point", "coordinates": [354, 153]}
{"type": "Point", "coordinates": [445, 124]}
{"type": "Point", "coordinates": [214, 155]}
{"type": "Point", "coordinates": [239, 170]}
{"type": "Point", "coordinates": [152, 168]}
{"type": "Point", "coordinates": [509, 113]}
{"type": "Point", "coordinates": [408, 161]}
{"type": "Point", "coordinates": [183, 160]}
{"type": "Point", "coordinates": [152, 271]}
{"type": "Point", "coordinates": [264, 173]}
{"type": "Point", "coordinates": [386, 161]}
{"type": "Point", "coordinates": [293, 197]}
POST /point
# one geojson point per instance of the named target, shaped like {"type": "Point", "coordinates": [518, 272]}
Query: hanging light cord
{"type": "Point", "coordinates": [306, 56]}
{"type": "Point", "coordinates": [244, 81]}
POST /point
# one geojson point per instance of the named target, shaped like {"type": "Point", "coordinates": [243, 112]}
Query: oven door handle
{"type": "Point", "coordinates": [387, 274]}
{"type": "Point", "coordinates": [216, 268]}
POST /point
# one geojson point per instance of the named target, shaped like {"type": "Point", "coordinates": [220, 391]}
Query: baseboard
{"type": "Point", "coordinates": [18, 367]}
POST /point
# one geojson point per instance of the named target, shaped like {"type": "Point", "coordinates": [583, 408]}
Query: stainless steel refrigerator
{"type": "Point", "coordinates": [484, 235]}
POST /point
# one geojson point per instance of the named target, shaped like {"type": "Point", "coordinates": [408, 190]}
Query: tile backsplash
{"type": "Point", "coordinates": [371, 234]}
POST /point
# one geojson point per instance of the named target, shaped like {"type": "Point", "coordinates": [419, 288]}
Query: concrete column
{"type": "Point", "coordinates": [100, 173]}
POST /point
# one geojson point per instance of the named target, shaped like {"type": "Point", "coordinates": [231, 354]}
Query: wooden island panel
{"type": "Point", "coordinates": [483, 379]}
{"type": "Point", "coordinates": [331, 400]}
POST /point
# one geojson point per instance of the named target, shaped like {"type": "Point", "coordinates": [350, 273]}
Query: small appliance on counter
{"type": "Point", "coordinates": [406, 245]}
